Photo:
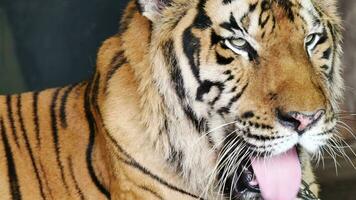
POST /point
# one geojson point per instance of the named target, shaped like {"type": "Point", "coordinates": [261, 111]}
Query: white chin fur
{"type": "Point", "coordinates": [311, 145]}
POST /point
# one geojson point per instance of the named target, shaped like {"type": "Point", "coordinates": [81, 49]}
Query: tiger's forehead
{"type": "Point", "coordinates": [254, 15]}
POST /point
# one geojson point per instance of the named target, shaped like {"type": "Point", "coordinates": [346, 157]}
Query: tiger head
{"type": "Point", "coordinates": [256, 78]}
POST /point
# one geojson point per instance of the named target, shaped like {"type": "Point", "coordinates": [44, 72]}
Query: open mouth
{"type": "Point", "coordinates": [273, 178]}
{"type": "Point", "coordinates": [238, 187]}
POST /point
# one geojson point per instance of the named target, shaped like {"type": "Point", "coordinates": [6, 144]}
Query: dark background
{"type": "Point", "coordinates": [52, 42]}
{"type": "Point", "coordinates": [49, 43]}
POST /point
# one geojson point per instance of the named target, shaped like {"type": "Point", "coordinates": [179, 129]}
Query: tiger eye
{"type": "Point", "coordinates": [310, 38]}
{"type": "Point", "coordinates": [239, 42]}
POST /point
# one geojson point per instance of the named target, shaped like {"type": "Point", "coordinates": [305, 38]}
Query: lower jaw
{"type": "Point", "coordinates": [242, 189]}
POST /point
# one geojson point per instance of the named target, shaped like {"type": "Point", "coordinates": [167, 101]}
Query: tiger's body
{"type": "Point", "coordinates": [139, 129]}
{"type": "Point", "coordinates": [45, 141]}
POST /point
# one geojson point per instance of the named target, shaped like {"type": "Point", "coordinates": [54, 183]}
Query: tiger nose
{"type": "Point", "coordinates": [299, 121]}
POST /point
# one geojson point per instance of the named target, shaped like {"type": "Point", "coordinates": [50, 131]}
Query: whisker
{"type": "Point", "coordinates": [213, 148]}
{"type": "Point", "coordinates": [348, 119]}
{"type": "Point", "coordinates": [212, 130]}
{"type": "Point", "coordinates": [225, 149]}
{"type": "Point", "coordinates": [331, 152]}
{"type": "Point", "coordinates": [338, 144]}
{"type": "Point", "coordinates": [347, 128]}
{"type": "Point", "coordinates": [350, 149]}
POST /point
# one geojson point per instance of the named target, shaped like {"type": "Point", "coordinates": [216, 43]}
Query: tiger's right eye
{"type": "Point", "coordinates": [238, 43]}
{"type": "Point", "coordinates": [242, 47]}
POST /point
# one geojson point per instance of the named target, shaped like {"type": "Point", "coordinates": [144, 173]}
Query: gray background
{"type": "Point", "coordinates": [48, 43]}
{"type": "Point", "coordinates": [342, 184]}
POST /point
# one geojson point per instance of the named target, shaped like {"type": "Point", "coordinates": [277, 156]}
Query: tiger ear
{"type": "Point", "coordinates": [152, 9]}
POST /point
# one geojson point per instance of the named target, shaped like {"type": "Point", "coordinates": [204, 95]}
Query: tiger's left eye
{"type": "Point", "coordinates": [311, 40]}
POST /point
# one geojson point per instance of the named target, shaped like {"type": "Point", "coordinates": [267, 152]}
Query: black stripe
{"type": "Point", "coordinates": [221, 60]}
{"type": "Point", "coordinates": [205, 88]}
{"type": "Point", "coordinates": [248, 115]}
{"type": "Point", "coordinates": [28, 145]}
{"type": "Point", "coordinates": [94, 100]}
{"type": "Point", "coordinates": [176, 74]}
{"type": "Point", "coordinates": [227, 108]}
{"type": "Point", "coordinates": [136, 165]}
{"type": "Point", "coordinates": [263, 22]}
{"type": "Point", "coordinates": [191, 44]}
{"type": "Point", "coordinates": [288, 7]}
{"type": "Point", "coordinates": [139, 7]}
{"type": "Point", "coordinates": [227, 1]}
{"type": "Point", "coordinates": [95, 92]}
{"type": "Point", "coordinates": [202, 20]}
{"type": "Point", "coordinates": [115, 64]}
{"type": "Point", "coordinates": [231, 25]}
{"type": "Point", "coordinates": [265, 6]}
{"type": "Point", "coordinates": [252, 54]}
{"type": "Point", "coordinates": [91, 123]}
{"type": "Point", "coordinates": [76, 185]}
{"type": "Point", "coordinates": [325, 67]}
{"type": "Point", "coordinates": [36, 117]}
{"type": "Point", "coordinates": [327, 53]}
{"type": "Point", "coordinates": [152, 192]}
{"type": "Point", "coordinates": [191, 48]}
{"type": "Point", "coordinates": [118, 60]}
{"type": "Point", "coordinates": [126, 20]}
{"type": "Point", "coordinates": [176, 156]}
{"type": "Point", "coordinates": [62, 109]}
{"type": "Point", "coordinates": [253, 7]}
{"type": "Point", "coordinates": [178, 84]}
{"type": "Point", "coordinates": [215, 38]}
{"type": "Point", "coordinates": [11, 119]}
{"type": "Point", "coordinates": [262, 137]}
{"type": "Point", "coordinates": [332, 67]}
{"type": "Point", "coordinates": [11, 168]}
{"type": "Point", "coordinates": [46, 180]}
{"type": "Point", "coordinates": [55, 135]}
{"type": "Point", "coordinates": [274, 23]}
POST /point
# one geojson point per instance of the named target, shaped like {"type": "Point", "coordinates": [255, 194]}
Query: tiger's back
{"type": "Point", "coordinates": [46, 146]}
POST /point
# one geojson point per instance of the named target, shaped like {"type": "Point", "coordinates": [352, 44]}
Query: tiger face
{"type": "Point", "coordinates": [257, 78]}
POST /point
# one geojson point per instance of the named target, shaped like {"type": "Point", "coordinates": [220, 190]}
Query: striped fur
{"type": "Point", "coordinates": [174, 107]}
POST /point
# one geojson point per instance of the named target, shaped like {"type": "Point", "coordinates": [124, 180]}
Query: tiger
{"type": "Point", "coordinates": [191, 99]}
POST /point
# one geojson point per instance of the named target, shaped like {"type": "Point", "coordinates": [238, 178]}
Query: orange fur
{"type": "Point", "coordinates": [104, 137]}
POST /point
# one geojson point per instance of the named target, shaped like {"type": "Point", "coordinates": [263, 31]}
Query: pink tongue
{"type": "Point", "coordinates": [279, 177]}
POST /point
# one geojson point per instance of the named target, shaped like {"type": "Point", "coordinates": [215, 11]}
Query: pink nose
{"type": "Point", "coordinates": [299, 121]}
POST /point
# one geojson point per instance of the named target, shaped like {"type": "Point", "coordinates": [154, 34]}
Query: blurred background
{"type": "Point", "coordinates": [49, 43]}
